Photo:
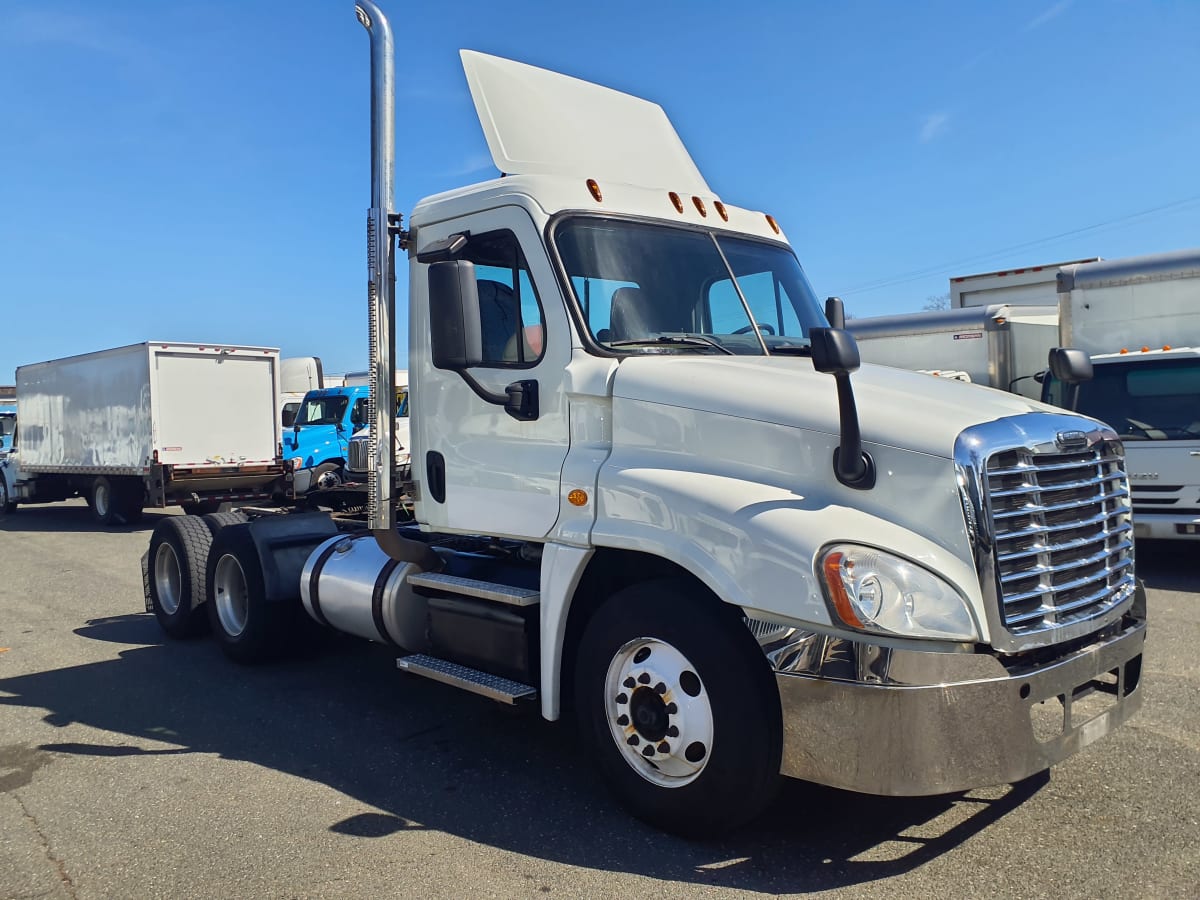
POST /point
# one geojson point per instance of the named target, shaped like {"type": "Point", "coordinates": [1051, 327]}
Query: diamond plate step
{"type": "Point", "coordinates": [494, 686]}
{"type": "Point", "coordinates": [469, 587]}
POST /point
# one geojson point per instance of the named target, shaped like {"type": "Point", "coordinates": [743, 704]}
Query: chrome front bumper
{"type": "Point", "coordinates": [907, 723]}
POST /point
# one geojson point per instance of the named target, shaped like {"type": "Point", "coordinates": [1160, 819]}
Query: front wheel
{"type": "Point", "coordinates": [677, 702]}
{"type": "Point", "coordinates": [7, 504]}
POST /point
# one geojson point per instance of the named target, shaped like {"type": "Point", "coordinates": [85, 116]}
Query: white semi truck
{"type": "Point", "coordinates": [655, 493]}
{"type": "Point", "coordinates": [1139, 319]}
{"type": "Point", "coordinates": [998, 346]}
{"type": "Point", "coordinates": [147, 425]}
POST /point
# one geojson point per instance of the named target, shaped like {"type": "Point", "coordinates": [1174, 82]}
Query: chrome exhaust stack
{"type": "Point", "coordinates": [381, 298]}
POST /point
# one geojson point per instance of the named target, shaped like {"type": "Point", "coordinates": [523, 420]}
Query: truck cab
{"type": "Point", "coordinates": [654, 490]}
{"type": "Point", "coordinates": [316, 448]}
{"type": "Point", "coordinates": [1151, 399]}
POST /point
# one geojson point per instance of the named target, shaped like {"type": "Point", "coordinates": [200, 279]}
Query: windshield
{"type": "Point", "coordinates": [656, 288]}
{"type": "Point", "coordinates": [322, 410]}
{"type": "Point", "coordinates": [1142, 400]}
{"type": "Point", "coordinates": [8, 424]}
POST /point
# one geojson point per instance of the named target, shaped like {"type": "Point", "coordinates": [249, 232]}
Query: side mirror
{"type": "Point", "coordinates": [456, 334]}
{"type": "Point", "coordinates": [1070, 365]}
{"type": "Point", "coordinates": [834, 351]}
{"type": "Point", "coordinates": [289, 418]}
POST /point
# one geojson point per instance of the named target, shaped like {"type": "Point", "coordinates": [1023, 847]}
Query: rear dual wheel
{"type": "Point", "coordinates": [178, 570]}
{"type": "Point", "coordinates": [249, 627]}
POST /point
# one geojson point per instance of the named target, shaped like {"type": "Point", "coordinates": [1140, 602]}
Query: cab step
{"type": "Point", "coordinates": [485, 684]}
{"type": "Point", "coordinates": [469, 587]}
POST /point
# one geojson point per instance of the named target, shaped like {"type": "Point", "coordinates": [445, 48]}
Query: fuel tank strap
{"type": "Point", "coordinates": [377, 600]}
{"type": "Point", "coordinates": [314, 582]}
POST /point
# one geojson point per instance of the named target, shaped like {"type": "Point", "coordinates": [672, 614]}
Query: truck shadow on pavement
{"type": "Point", "coordinates": [1167, 565]}
{"type": "Point", "coordinates": [429, 757]}
{"type": "Point", "coordinates": [72, 518]}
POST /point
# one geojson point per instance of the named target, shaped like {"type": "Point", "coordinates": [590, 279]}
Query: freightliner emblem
{"type": "Point", "coordinates": [1071, 440]}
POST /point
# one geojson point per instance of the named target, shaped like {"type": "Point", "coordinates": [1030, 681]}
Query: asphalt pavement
{"type": "Point", "coordinates": [134, 766]}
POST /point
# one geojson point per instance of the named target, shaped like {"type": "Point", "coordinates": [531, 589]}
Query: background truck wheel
{"type": "Point", "coordinates": [130, 507]}
{"type": "Point", "coordinates": [203, 508]}
{"type": "Point", "coordinates": [248, 627]}
{"type": "Point", "coordinates": [178, 559]}
{"type": "Point", "coordinates": [326, 476]}
{"type": "Point", "coordinates": [680, 710]}
{"type": "Point", "coordinates": [102, 498]}
{"type": "Point", "coordinates": [7, 504]}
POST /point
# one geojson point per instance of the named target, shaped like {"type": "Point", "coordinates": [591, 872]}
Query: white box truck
{"type": "Point", "coordinates": [1026, 286]}
{"type": "Point", "coordinates": [1003, 347]}
{"type": "Point", "coordinates": [655, 492]}
{"type": "Point", "coordinates": [1139, 319]}
{"type": "Point", "coordinates": [148, 425]}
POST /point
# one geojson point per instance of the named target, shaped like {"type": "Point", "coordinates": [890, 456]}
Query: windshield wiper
{"type": "Point", "coordinates": [791, 350]}
{"type": "Point", "coordinates": [695, 340]}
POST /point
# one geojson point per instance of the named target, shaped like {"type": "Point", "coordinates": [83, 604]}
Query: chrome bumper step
{"type": "Point", "coordinates": [494, 687]}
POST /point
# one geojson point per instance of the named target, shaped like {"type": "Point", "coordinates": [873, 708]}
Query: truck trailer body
{"type": "Point", "coordinates": [1139, 319]}
{"type": "Point", "coordinates": [654, 490]}
{"type": "Point", "coordinates": [1002, 347]}
{"type": "Point", "coordinates": [150, 424]}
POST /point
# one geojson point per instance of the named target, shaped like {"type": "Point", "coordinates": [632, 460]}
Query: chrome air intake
{"type": "Point", "coordinates": [1053, 536]}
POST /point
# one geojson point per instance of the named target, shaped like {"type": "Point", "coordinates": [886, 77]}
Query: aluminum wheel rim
{"type": "Point", "coordinates": [168, 578]}
{"type": "Point", "coordinates": [658, 712]}
{"type": "Point", "coordinates": [231, 595]}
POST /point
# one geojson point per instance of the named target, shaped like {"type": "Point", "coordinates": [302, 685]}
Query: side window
{"type": "Point", "coordinates": [514, 328]}
{"type": "Point", "coordinates": [358, 415]}
{"type": "Point", "coordinates": [768, 301]}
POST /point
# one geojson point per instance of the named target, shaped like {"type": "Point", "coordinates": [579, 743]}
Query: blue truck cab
{"type": "Point", "coordinates": [320, 436]}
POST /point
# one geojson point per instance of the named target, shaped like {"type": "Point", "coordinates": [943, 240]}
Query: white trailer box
{"type": "Point", "coordinates": [1029, 286]}
{"type": "Point", "coordinates": [997, 346]}
{"type": "Point", "coordinates": [1139, 319]}
{"type": "Point", "coordinates": [150, 424]}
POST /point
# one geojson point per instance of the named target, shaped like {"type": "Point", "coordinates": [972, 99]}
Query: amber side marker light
{"type": "Point", "coordinates": [720, 208]}
{"type": "Point", "coordinates": [676, 201]}
{"type": "Point", "coordinates": [837, 590]}
{"type": "Point", "coordinates": [577, 497]}
{"type": "Point", "coordinates": [594, 188]}
{"type": "Point", "coordinates": [774, 225]}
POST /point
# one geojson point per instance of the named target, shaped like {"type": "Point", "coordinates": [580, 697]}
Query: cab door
{"type": "Point", "coordinates": [479, 469]}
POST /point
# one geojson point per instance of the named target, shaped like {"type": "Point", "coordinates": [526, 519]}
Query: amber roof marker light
{"type": "Point", "coordinates": [676, 201]}
{"type": "Point", "coordinates": [720, 208]}
{"type": "Point", "coordinates": [594, 188]}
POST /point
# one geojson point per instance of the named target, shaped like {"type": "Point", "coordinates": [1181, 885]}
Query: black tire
{"type": "Point", "coordinates": [178, 569]}
{"type": "Point", "coordinates": [7, 504]}
{"type": "Point", "coordinates": [131, 508]}
{"type": "Point", "coordinates": [104, 501]}
{"type": "Point", "coordinates": [218, 520]}
{"type": "Point", "coordinates": [249, 628]}
{"type": "Point", "coordinates": [701, 646]}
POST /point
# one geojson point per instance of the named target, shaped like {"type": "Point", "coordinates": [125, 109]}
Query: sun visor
{"type": "Point", "coordinates": [539, 122]}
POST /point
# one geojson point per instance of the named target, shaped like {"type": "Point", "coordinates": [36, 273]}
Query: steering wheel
{"type": "Point", "coordinates": [762, 326]}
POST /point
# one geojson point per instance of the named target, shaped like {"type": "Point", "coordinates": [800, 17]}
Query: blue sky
{"type": "Point", "coordinates": [199, 172]}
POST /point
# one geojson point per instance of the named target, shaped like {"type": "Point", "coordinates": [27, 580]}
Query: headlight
{"type": "Point", "coordinates": [870, 590]}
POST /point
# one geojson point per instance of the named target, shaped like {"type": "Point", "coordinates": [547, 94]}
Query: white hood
{"type": "Point", "coordinates": [896, 408]}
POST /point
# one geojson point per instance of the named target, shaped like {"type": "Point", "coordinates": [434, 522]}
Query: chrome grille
{"type": "Point", "coordinates": [1063, 537]}
{"type": "Point", "coordinates": [359, 454]}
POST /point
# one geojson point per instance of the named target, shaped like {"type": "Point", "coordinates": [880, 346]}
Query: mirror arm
{"type": "Point", "coordinates": [480, 391]}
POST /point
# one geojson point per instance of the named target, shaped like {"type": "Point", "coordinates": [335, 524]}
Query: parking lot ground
{"type": "Point", "coordinates": [133, 766]}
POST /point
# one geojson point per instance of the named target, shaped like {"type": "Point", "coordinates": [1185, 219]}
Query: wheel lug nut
{"type": "Point", "coordinates": [622, 698]}
{"type": "Point", "coordinates": [634, 740]}
{"type": "Point", "coordinates": [648, 750]}
{"type": "Point", "coordinates": [660, 688]}
{"type": "Point", "coordinates": [629, 682]}
{"type": "Point", "coordinates": [644, 678]}
{"type": "Point", "coordinates": [623, 720]}
{"type": "Point", "coordinates": [672, 709]}
{"type": "Point", "coordinates": [672, 731]}
{"type": "Point", "coordinates": [664, 747]}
